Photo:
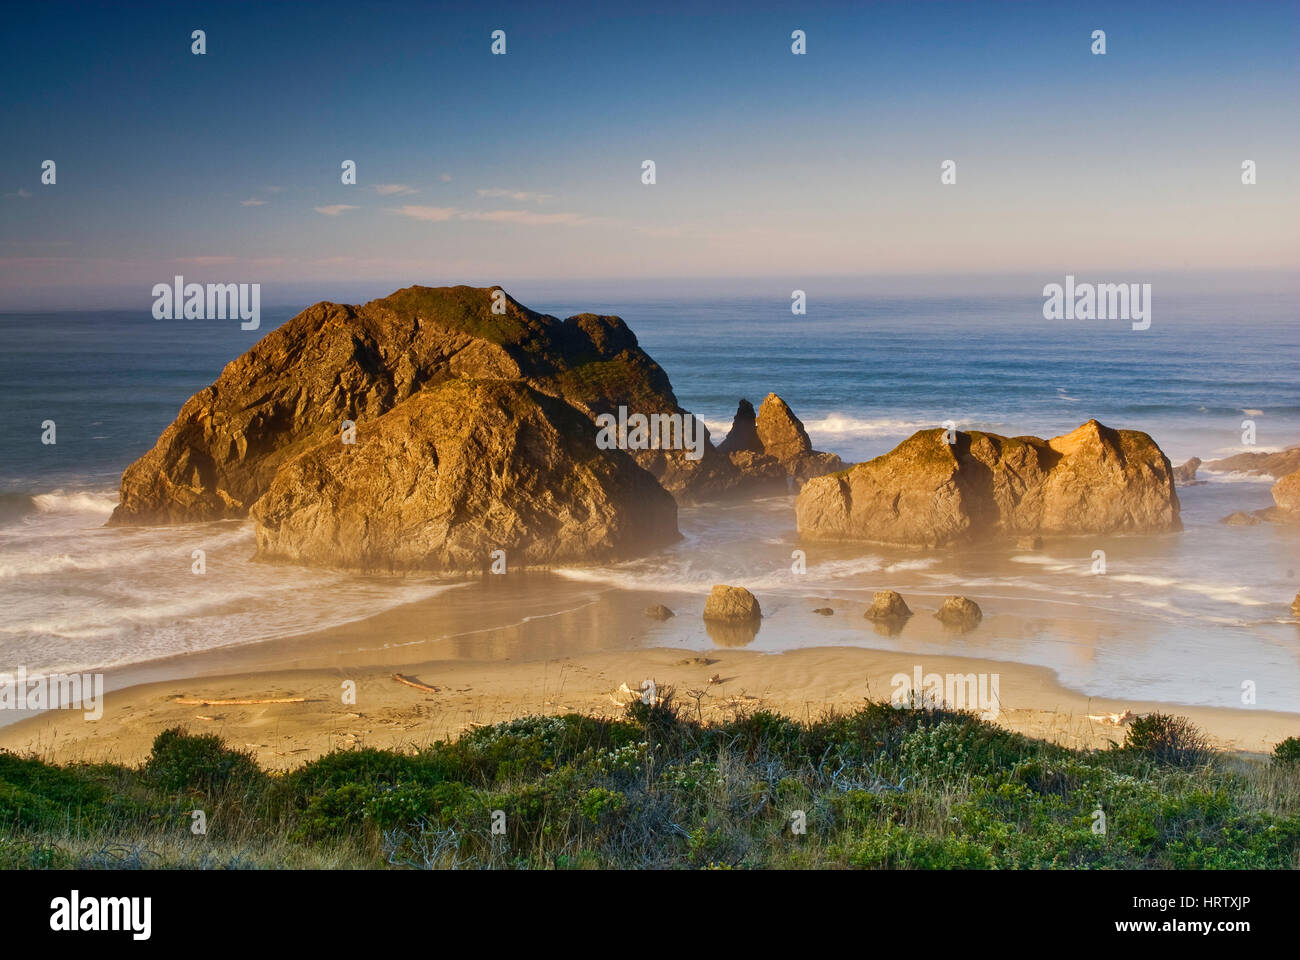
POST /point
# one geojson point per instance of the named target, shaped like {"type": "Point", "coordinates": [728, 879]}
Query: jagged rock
{"type": "Point", "coordinates": [959, 612]}
{"type": "Point", "coordinates": [773, 444]}
{"type": "Point", "coordinates": [927, 492]}
{"type": "Point", "coordinates": [743, 434]}
{"type": "Point", "coordinates": [887, 605]}
{"type": "Point", "coordinates": [732, 605]}
{"type": "Point", "coordinates": [456, 472]}
{"type": "Point", "coordinates": [1240, 519]}
{"type": "Point", "coordinates": [783, 436]}
{"type": "Point", "coordinates": [824, 611]}
{"type": "Point", "coordinates": [332, 363]}
{"type": "Point", "coordinates": [1185, 473]}
{"type": "Point", "coordinates": [1277, 464]}
{"type": "Point", "coordinates": [658, 612]}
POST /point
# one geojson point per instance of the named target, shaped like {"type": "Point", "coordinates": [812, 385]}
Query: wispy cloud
{"type": "Point", "coordinates": [252, 203]}
{"type": "Point", "coordinates": [530, 217]}
{"type": "Point", "coordinates": [393, 189]}
{"type": "Point", "coordinates": [519, 196]}
{"type": "Point", "coordinates": [334, 209]}
{"type": "Point", "coordinates": [205, 261]}
{"type": "Point", "coordinates": [526, 217]}
{"type": "Point", "coordinates": [22, 193]}
{"type": "Point", "coordinates": [435, 214]}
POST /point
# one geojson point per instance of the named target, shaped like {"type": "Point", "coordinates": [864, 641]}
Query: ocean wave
{"type": "Point", "coordinates": [19, 505]}
{"type": "Point", "coordinates": [840, 425]}
{"type": "Point", "coordinates": [1235, 476]}
{"type": "Point", "coordinates": [1218, 592]}
{"type": "Point", "coordinates": [77, 501]}
{"type": "Point", "coordinates": [96, 554]}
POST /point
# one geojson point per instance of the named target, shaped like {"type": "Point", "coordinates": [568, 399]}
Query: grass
{"type": "Point", "coordinates": [877, 788]}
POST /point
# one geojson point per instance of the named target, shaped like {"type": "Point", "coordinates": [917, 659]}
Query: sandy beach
{"type": "Point", "coordinates": [571, 652]}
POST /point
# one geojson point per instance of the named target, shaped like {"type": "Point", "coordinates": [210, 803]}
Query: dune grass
{"type": "Point", "coordinates": [877, 788]}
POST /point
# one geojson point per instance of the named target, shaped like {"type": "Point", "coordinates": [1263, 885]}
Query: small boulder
{"type": "Point", "coordinates": [658, 612]}
{"type": "Point", "coordinates": [960, 612]}
{"type": "Point", "coordinates": [824, 611]}
{"type": "Point", "coordinates": [1185, 474]}
{"type": "Point", "coordinates": [1240, 519]}
{"type": "Point", "coordinates": [1029, 543]}
{"type": "Point", "coordinates": [732, 605]}
{"type": "Point", "coordinates": [888, 605]}
{"type": "Point", "coordinates": [1286, 493]}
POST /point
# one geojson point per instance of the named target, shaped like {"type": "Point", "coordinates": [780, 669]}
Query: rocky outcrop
{"type": "Point", "coordinates": [474, 430]}
{"type": "Point", "coordinates": [1240, 519]}
{"type": "Point", "coordinates": [1277, 464]}
{"type": "Point", "coordinates": [927, 492]}
{"type": "Point", "coordinates": [1185, 473]}
{"type": "Point", "coordinates": [729, 604]}
{"type": "Point", "coordinates": [1286, 503]}
{"type": "Point", "coordinates": [1295, 605]}
{"type": "Point", "coordinates": [743, 435]}
{"type": "Point", "coordinates": [1286, 493]}
{"type": "Point", "coordinates": [456, 472]}
{"type": "Point", "coordinates": [773, 444]}
{"type": "Point", "coordinates": [887, 605]}
{"type": "Point", "coordinates": [658, 611]}
{"type": "Point", "coordinates": [961, 613]}
{"type": "Point", "coordinates": [334, 363]}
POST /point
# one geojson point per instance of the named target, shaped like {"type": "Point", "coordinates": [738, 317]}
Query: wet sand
{"type": "Point", "coordinates": [506, 647]}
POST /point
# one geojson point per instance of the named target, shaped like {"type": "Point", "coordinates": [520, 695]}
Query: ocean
{"type": "Point", "coordinates": [1181, 617]}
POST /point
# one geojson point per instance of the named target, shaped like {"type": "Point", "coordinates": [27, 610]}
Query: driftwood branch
{"type": "Point", "coordinates": [414, 683]}
{"type": "Point", "coordinates": [235, 703]}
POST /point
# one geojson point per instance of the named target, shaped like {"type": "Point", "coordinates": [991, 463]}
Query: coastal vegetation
{"type": "Point", "coordinates": [878, 788]}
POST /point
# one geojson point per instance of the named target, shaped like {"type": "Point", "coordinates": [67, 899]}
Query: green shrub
{"type": "Point", "coordinates": [202, 763]}
{"type": "Point", "coordinates": [1167, 739]}
{"type": "Point", "coordinates": [1288, 751]}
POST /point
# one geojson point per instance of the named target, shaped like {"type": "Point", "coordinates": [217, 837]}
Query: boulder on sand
{"type": "Point", "coordinates": [959, 612]}
{"type": "Point", "coordinates": [729, 604]}
{"type": "Point", "coordinates": [887, 605]}
{"type": "Point", "coordinates": [658, 612]}
{"type": "Point", "coordinates": [927, 492]}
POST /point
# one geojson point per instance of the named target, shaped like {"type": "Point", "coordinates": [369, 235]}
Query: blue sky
{"type": "Point", "coordinates": [525, 168]}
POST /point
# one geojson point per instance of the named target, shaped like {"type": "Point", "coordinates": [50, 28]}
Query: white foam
{"type": "Point", "coordinates": [99, 502]}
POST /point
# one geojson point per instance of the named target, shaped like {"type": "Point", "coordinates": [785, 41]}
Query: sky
{"type": "Point", "coordinates": [525, 170]}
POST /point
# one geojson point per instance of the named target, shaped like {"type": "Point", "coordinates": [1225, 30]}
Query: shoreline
{"type": "Point", "coordinates": [803, 684]}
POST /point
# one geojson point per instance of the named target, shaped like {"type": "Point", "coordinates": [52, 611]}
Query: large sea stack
{"type": "Point", "coordinates": [473, 428]}
{"type": "Point", "coordinates": [927, 492]}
